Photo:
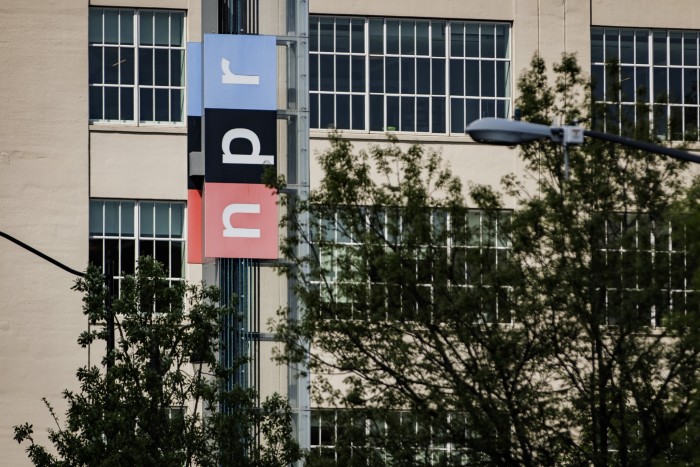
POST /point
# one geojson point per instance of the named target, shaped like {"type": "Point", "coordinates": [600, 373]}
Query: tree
{"type": "Point", "coordinates": [555, 333]}
{"type": "Point", "coordinates": [159, 397]}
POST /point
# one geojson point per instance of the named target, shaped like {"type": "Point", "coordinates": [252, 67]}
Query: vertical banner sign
{"type": "Point", "coordinates": [195, 219]}
{"type": "Point", "coordinates": [240, 144]}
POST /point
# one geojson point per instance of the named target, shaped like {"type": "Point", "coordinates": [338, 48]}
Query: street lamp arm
{"type": "Point", "coordinates": [41, 255]}
{"type": "Point", "coordinates": [643, 145]}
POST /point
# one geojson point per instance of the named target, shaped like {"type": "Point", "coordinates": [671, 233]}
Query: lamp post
{"type": "Point", "coordinates": [500, 131]}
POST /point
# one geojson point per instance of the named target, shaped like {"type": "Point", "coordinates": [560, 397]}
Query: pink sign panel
{"type": "Point", "coordinates": [240, 221]}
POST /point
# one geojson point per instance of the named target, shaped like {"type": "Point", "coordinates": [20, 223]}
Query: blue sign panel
{"type": "Point", "coordinates": [194, 79]}
{"type": "Point", "coordinates": [240, 72]}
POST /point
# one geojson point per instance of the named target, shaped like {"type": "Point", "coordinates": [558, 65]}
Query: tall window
{"type": "Point", "coordinates": [421, 76]}
{"type": "Point", "coordinates": [657, 68]}
{"type": "Point", "coordinates": [137, 66]}
{"type": "Point", "coordinates": [121, 231]}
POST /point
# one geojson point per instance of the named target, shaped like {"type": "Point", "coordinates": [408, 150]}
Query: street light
{"type": "Point", "coordinates": [504, 132]}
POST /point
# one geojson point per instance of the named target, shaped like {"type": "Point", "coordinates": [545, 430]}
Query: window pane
{"type": "Point", "coordinates": [95, 26]}
{"type": "Point", "coordinates": [407, 37]}
{"type": "Point", "coordinates": [343, 117]}
{"type": "Point", "coordinates": [675, 48]}
{"type": "Point", "coordinates": [95, 254]}
{"type": "Point", "coordinates": [457, 118]}
{"type": "Point", "coordinates": [126, 23]}
{"type": "Point", "coordinates": [392, 37]}
{"type": "Point", "coordinates": [96, 217]}
{"type": "Point", "coordinates": [627, 83]}
{"type": "Point", "coordinates": [358, 74]}
{"type": "Point", "coordinates": [177, 102]}
{"type": "Point", "coordinates": [162, 220]}
{"type": "Point", "coordinates": [177, 256]}
{"type": "Point", "coordinates": [177, 67]}
{"type": "Point", "coordinates": [423, 114]}
{"type": "Point", "coordinates": [342, 73]}
{"type": "Point", "coordinates": [392, 74]}
{"type": "Point", "coordinates": [472, 78]}
{"type": "Point", "coordinates": [161, 67]}
{"type": "Point", "coordinates": [392, 113]}
{"type": "Point", "coordinates": [146, 27]}
{"type": "Point", "coordinates": [163, 254]}
{"type": "Point", "coordinates": [162, 31]}
{"type": "Point", "coordinates": [660, 85]}
{"type": "Point", "coordinates": [342, 35]}
{"type": "Point", "coordinates": [126, 65]}
{"type": "Point", "coordinates": [146, 248]}
{"type": "Point", "coordinates": [438, 78]}
{"type": "Point", "coordinates": [408, 113]}
{"type": "Point", "coordinates": [675, 85]}
{"type": "Point", "coordinates": [598, 82]}
{"type": "Point", "coordinates": [128, 257]}
{"type": "Point", "coordinates": [126, 104]}
{"type": "Point", "coordinates": [457, 40]}
{"type": "Point", "coordinates": [642, 43]}
{"type": "Point", "coordinates": [472, 40]}
{"type": "Point", "coordinates": [111, 103]}
{"type": "Point", "coordinates": [327, 111]}
{"type": "Point", "coordinates": [176, 30]}
{"type": "Point", "coordinates": [376, 74]}
{"type": "Point", "coordinates": [95, 103]}
{"type": "Point", "coordinates": [690, 49]}
{"type": "Point", "coordinates": [611, 45]}
{"type": "Point", "coordinates": [326, 72]}
{"type": "Point", "coordinates": [313, 34]}
{"type": "Point", "coordinates": [642, 84]}
{"type": "Point", "coordinates": [313, 72]}
{"type": "Point", "coordinates": [408, 81]}
{"type": "Point", "coordinates": [162, 107]}
{"type": "Point", "coordinates": [95, 64]}
{"type": "Point", "coordinates": [326, 32]}
{"type": "Point", "coordinates": [146, 105]}
{"type": "Point", "coordinates": [376, 112]}
{"type": "Point", "coordinates": [438, 114]}
{"type": "Point", "coordinates": [423, 76]}
{"type": "Point", "coordinates": [503, 79]}
{"type": "Point", "coordinates": [376, 36]}
{"type": "Point", "coordinates": [358, 35]}
{"type": "Point", "coordinates": [422, 38]}
{"type": "Point", "coordinates": [659, 47]}
{"type": "Point", "coordinates": [146, 219]}
{"type": "Point", "coordinates": [502, 41]}
{"type": "Point", "coordinates": [626, 46]}
{"type": "Point", "coordinates": [358, 112]}
{"type": "Point", "coordinates": [146, 67]}
{"type": "Point", "coordinates": [111, 65]}
{"type": "Point", "coordinates": [456, 77]}
{"type": "Point", "coordinates": [111, 25]}
{"type": "Point", "coordinates": [690, 85]}
{"type": "Point", "coordinates": [488, 41]}
{"type": "Point", "coordinates": [313, 98]}
{"type": "Point", "coordinates": [112, 218]}
{"type": "Point", "coordinates": [438, 38]}
{"type": "Point", "coordinates": [127, 218]}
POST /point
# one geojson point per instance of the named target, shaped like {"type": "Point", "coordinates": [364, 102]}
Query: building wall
{"type": "Point", "coordinates": [44, 203]}
{"type": "Point", "coordinates": [52, 161]}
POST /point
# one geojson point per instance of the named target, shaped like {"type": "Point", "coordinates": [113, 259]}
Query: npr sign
{"type": "Point", "coordinates": [240, 142]}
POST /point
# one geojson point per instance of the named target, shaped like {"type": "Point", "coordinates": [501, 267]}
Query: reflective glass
{"type": "Point", "coordinates": [111, 65]}
{"type": "Point", "coordinates": [408, 82]}
{"type": "Point", "coordinates": [659, 47]}
{"type": "Point", "coordinates": [358, 112]}
{"type": "Point", "coordinates": [126, 65]}
{"type": "Point", "coordinates": [456, 77]}
{"type": "Point", "coordinates": [437, 30]}
{"type": "Point", "coordinates": [162, 28]}
{"type": "Point", "coordinates": [502, 41]}
{"type": "Point", "coordinates": [342, 73]}
{"type": "Point", "coordinates": [342, 35]}
{"type": "Point", "coordinates": [327, 111]}
{"type": "Point", "coordinates": [392, 37]}
{"type": "Point", "coordinates": [146, 27]}
{"type": "Point", "coordinates": [358, 74]}
{"type": "Point", "coordinates": [408, 113]}
{"type": "Point", "coordinates": [162, 105]}
{"type": "Point", "coordinates": [422, 38]}
{"type": "Point", "coordinates": [392, 74]}
{"type": "Point", "coordinates": [597, 45]}
{"type": "Point", "coordinates": [457, 40]}
{"type": "Point", "coordinates": [162, 219]}
{"type": "Point", "coordinates": [95, 64]}
{"type": "Point", "coordinates": [313, 34]}
{"type": "Point", "coordinates": [161, 66]}
{"type": "Point", "coordinates": [408, 37]}
{"type": "Point", "coordinates": [358, 36]}
{"type": "Point", "coordinates": [376, 36]}
{"type": "Point", "coordinates": [626, 46]}
{"type": "Point", "coordinates": [313, 72]}
{"type": "Point", "coordinates": [95, 26]}
{"type": "Point", "coordinates": [326, 72]}
{"type": "Point", "coordinates": [342, 119]}
{"type": "Point", "coordinates": [111, 26]}
{"type": "Point", "coordinates": [642, 74]}
{"type": "Point", "coordinates": [438, 78]}
{"type": "Point", "coordinates": [472, 40]}
{"type": "Point", "coordinates": [488, 41]}
{"type": "Point", "coordinates": [111, 218]}
{"type": "Point", "coordinates": [96, 217]}
{"type": "Point", "coordinates": [392, 113]}
{"type": "Point", "coordinates": [376, 112]}
{"type": "Point", "coordinates": [326, 35]}
{"type": "Point", "coordinates": [111, 103]}
{"type": "Point", "coordinates": [177, 67]}
{"type": "Point", "coordinates": [146, 219]}
{"type": "Point", "coordinates": [126, 104]}
{"type": "Point", "coordinates": [176, 29]}
{"type": "Point", "coordinates": [642, 44]}
{"type": "Point", "coordinates": [423, 114]}
{"type": "Point", "coordinates": [126, 25]}
{"type": "Point", "coordinates": [675, 47]}
{"type": "Point", "coordinates": [376, 74]}
{"type": "Point", "coordinates": [472, 79]}
{"type": "Point", "coordinates": [690, 49]}
{"type": "Point", "coordinates": [612, 45]}
{"type": "Point", "coordinates": [438, 113]}
{"type": "Point", "coordinates": [146, 66]}
{"type": "Point", "coordinates": [423, 76]}
{"type": "Point", "coordinates": [457, 116]}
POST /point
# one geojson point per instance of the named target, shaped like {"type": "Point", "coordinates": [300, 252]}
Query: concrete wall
{"type": "Point", "coordinates": [43, 202]}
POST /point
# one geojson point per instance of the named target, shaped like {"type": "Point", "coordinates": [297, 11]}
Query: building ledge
{"type": "Point", "coordinates": [107, 128]}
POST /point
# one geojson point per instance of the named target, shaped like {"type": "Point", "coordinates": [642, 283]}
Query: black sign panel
{"type": "Point", "coordinates": [239, 144]}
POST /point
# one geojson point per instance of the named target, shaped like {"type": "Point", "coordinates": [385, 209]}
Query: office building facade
{"type": "Point", "coordinates": [95, 139]}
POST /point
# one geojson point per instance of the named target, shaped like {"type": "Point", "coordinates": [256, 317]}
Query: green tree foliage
{"type": "Point", "coordinates": [156, 399]}
{"type": "Point", "coordinates": [561, 332]}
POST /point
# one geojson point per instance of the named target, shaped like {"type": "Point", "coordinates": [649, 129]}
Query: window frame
{"type": "Point", "coordinates": [137, 86]}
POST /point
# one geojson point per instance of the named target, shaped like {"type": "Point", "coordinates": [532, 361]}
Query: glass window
{"type": "Point", "coordinates": [123, 230]}
{"type": "Point", "coordinates": [119, 39]}
{"type": "Point", "coordinates": [412, 68]}
{"type": "Point", "coordinates": [657, 67]}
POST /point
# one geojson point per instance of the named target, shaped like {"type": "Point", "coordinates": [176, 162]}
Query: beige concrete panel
{"type": "Point", "coordinates": [676, 14]}
{"type": "Point", "coordinates": [273, 377]}
{"type": "Point", "coordinates": [138, 165]}
{"type": "Point", "coordinates": [273, 296]}
{"type": "Point", "coordinates": [167, 4]}
{"type": "Point", "coordinates": [272, 17]}
{"type": "Point", "coordinates": [43, 202]}
{"type": "Point", "coordinates": [501, 10]}
{"type": "Point", "coordinates": [194, 21]}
